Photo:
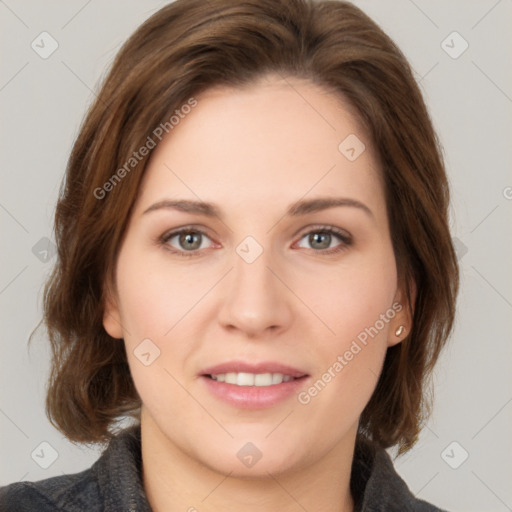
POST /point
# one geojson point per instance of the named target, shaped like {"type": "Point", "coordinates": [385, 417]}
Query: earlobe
{"type": "Point", "coordinates": [402, 322]}
{"type": "Point", "coordinates": [398, 335]}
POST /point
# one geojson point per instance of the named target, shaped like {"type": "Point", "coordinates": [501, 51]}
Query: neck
{"type": "Point", "coordinates": [175, 480]}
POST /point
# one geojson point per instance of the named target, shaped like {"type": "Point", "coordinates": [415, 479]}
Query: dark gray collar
{"type": "Point", "coordinates": [119, 474]}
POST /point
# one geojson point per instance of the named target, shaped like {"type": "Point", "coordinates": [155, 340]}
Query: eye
{"type": "Point", "coordinates": [321, 239]}
{"type": "Point", "coordinates": [186, 241]}
{"type": "Point", "coordinates": [190, 241]}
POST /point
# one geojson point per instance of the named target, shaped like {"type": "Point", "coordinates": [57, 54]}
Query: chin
{"type": "Point", "coordinates": [260, 469]}
{"type": "Point", "coordinates": [246, 458]}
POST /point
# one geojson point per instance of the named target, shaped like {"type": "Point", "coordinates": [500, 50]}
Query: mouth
{"type": "Point", "coordinates": [258, 377]}
{"type": "Point", "coordinates": [253, 386]}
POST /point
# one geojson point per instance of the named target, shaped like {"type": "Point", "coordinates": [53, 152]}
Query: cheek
{"type": "Point", "coordinates": [355, 308]}
{"type": "Point", "coordinates": [352, 297]}
{"type": "Point", "coordinates": [158, 304]}
{"type": "Point", "coordinates": [153, 302]}
{"type": "Point", "coordinates": [154, 297]}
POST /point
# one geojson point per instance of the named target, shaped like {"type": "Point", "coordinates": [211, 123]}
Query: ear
{"type": "Point", "coordinates": [111, 314]}
{"type": "Point", "coordinates": [401, 325]}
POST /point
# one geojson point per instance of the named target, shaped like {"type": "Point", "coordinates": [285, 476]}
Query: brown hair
{"type": "Point", "coordinates": [188, 47]}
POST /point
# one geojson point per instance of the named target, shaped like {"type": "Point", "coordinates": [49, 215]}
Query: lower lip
{"type": "Point", "coordinates": [254, 397]}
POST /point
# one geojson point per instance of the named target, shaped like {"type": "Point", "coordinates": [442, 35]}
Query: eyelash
{"type": "Point", "coordinates": [324, 230]}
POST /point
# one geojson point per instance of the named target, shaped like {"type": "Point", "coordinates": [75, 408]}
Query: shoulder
{"type": "Point", "coordinates": [67, 492]}
{"type": "Point", "coordinates": [394, 489]}
{"type": "Point", "coordinates": [380, 488]}
{"type": "Point", "coordinates": [112, 483]}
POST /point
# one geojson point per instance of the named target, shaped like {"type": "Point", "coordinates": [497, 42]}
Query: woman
{"type": "Point", "coordinates": [254, 263]}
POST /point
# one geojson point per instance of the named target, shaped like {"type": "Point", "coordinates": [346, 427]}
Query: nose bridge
{"type": "Point", "coordinates": [256, 299]}
{"type": "Point", "coordinates": [251, 266]}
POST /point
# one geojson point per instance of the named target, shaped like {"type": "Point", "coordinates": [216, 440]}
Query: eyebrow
{"type": "Point", "coordinates": [302, 207]}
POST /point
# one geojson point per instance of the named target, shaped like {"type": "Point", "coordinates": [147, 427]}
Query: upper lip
{"type": "Point", "coordinates": [256, 368]}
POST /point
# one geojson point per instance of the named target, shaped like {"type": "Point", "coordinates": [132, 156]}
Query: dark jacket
{"type": "Point", "coordinates": [113, 484]}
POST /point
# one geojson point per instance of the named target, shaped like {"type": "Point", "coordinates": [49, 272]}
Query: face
{"type": "Point", "coordinates": [290, 271]}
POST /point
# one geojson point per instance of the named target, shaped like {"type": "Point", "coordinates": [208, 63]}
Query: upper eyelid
{"type": "Point", "coordinates": [327, 227]}
{"type": "Point", "coordinates": [173, 232]}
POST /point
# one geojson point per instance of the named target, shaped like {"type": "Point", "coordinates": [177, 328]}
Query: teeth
{"type": "Point", "coordinates": [252, 379]}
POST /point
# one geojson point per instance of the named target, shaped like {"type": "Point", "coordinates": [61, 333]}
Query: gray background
{"type": "Point", "coordinates": [42, 102]}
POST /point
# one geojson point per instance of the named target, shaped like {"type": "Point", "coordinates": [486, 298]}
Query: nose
{"type": "Point", "coordinates": [257, 301]}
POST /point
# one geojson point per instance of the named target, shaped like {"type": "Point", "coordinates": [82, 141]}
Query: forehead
{"type": "Point", "coordinates": [266, 144]}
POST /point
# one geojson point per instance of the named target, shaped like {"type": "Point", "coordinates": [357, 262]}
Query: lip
{"type": "Point", "coordinates": [254, 397]}
{"type": "Point", "coordinates": [263, 367]}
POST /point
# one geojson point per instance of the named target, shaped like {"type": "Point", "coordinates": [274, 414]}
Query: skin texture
{"type": "Point", "coordinates": [253, 152]}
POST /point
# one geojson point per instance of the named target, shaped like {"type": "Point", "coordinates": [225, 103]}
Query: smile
{"type": "Point", "coordinates": [252, 379]}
